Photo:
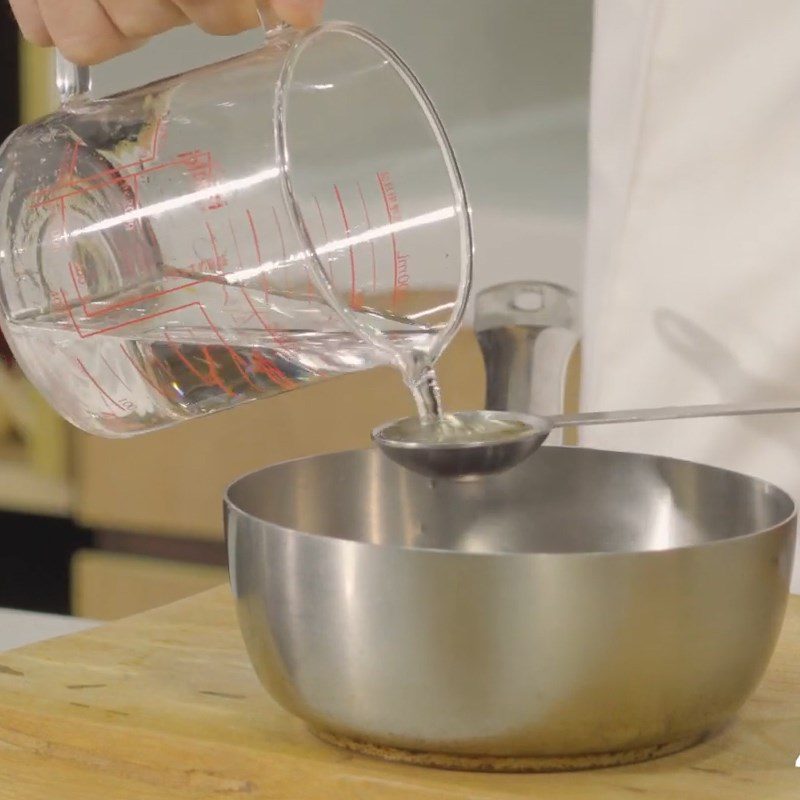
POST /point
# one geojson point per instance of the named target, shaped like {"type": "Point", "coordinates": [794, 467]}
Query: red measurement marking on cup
{"type": "Point", "coordinates": [201, 166]}
{"type": "Point", "coordinates": [237, 360]}
{"type": "Point", "coordinates": [236, 318]}
{"type": "Point", "coordinates": [348, 235]}
{"type": "Point", "coordinates": [144, 375]}
{"type": "Point", "coordinates": [105, 395]}
{"type": "Point", "coordinates": [68, 164]}
{"type": "Point", "coordinates": [66, 167]}
{"type": "Point", "coordinates": [196, 163]}
{"type": "Point", "coordinates": [176, 348]}
{"type": "Point", "coordinates": [117, 180]}
{"type": "Point", "coordinates": [236, 245]}
{"type": "Point", "coordinates": [120, 325]}
{"type": "Point", "coordinates": [283, 248]}
{"type": "Point", "coordinates": [214, 374]}
{"type": "Point", "coordinates": [78, 277]}
{"type": "Point", "coordinates": [103, 179]}
{"type": "Point", "coordinates": [212, 379]}
{"type": "Point", "coordinates": [392, 213]}
{"type": "Point", "coordinates": [124, 303]}
{"type": "Point", "coordinates": [63, 212]}
{"type": "Point", "coordinates": [220, 262]}
{"type": "Point", "coordinates": [62, 173]}
{"type": "Point", "coordinates": [153, 154]}
{"type": "Point", "coordinates": [78, 273]}
{"type": "Point", "coordinates": [327, 238]}
{"type": "Point", "coordinates": [255, 236]}
{"type": "Point", "coordinates": [256, 243]}
{"type": "Point", "coordinates": [272, 371]}
{"type": "Point", "coordinates": [280, 232]}
{"type": "Point", "coordinates": [236, 250]}
{"type": "Point", "coordinates": [275, 333]}
{"type": "Point", "coordinates": [276, 374]}
{"type": "Point", "coordinates": [114, 373]}
{"type": "Point", "coordinates": [371, 241]}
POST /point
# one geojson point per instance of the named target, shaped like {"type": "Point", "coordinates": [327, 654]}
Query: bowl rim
{"type": "Point", "coordinates": [230, 508]}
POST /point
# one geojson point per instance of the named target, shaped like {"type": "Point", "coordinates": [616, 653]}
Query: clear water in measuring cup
{"type": "Point", "coordinates": [122, 342]}
{"type": "Point", "coordinates": [155, 378]}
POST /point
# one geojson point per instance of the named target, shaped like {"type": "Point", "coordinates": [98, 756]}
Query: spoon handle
{"type": "Point", "coordinates": [674, 412]}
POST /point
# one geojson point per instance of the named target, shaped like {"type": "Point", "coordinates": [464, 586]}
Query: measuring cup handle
{"type": "Point", "coordinates": [71, 80]}
{"type": "Point", "coordinates": [270, 25]}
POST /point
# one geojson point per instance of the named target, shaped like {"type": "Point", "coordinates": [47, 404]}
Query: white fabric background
{"type": "Point", "coordinates": [692, 284]}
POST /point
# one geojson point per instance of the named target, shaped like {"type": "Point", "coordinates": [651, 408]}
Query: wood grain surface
{"type": "Point", "coordinates": [165, 705]}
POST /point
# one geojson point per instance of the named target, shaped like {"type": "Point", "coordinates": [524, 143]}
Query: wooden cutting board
{"type": "Point", "coordinates": [165, 706]}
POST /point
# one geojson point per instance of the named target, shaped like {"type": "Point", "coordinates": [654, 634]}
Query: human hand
{"type": "Point", "coordinates": [91, 31]}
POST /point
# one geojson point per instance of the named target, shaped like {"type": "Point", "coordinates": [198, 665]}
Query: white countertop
{"type": "Point", "coordinates": [18, 628]}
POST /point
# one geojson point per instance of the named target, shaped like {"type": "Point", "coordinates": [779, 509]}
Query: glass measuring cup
{"type": "Point", "coordinates": [230, 233]}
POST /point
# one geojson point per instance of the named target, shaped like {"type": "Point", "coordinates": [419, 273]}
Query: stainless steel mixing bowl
{"type": "Point", "coordinates": [584, 608]}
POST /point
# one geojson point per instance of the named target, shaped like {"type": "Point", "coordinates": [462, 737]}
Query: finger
{"type": "Point", "coordinates": [299, 13]}
{"type": "Point", "coordinates": [82, 31]}
{"type": "Point", "coordinates": [30, 22]}
{"type": "Point", "coordinates": [222, 17]}
{"type": "Point", "coordinates": [143, 18]}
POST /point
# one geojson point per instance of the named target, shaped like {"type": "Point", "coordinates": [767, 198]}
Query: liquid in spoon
{"type": "Point", "coordinates": [434, 427]}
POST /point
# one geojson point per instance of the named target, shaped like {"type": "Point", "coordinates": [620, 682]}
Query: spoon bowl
{"type": "Point", "coordinates": [464, 444]}
{"type": "Point", "coordinates": [472, 443]}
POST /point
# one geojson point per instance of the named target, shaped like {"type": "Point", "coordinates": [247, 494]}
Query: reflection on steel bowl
{"type": "Point", "coordinates": [584, 608]}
